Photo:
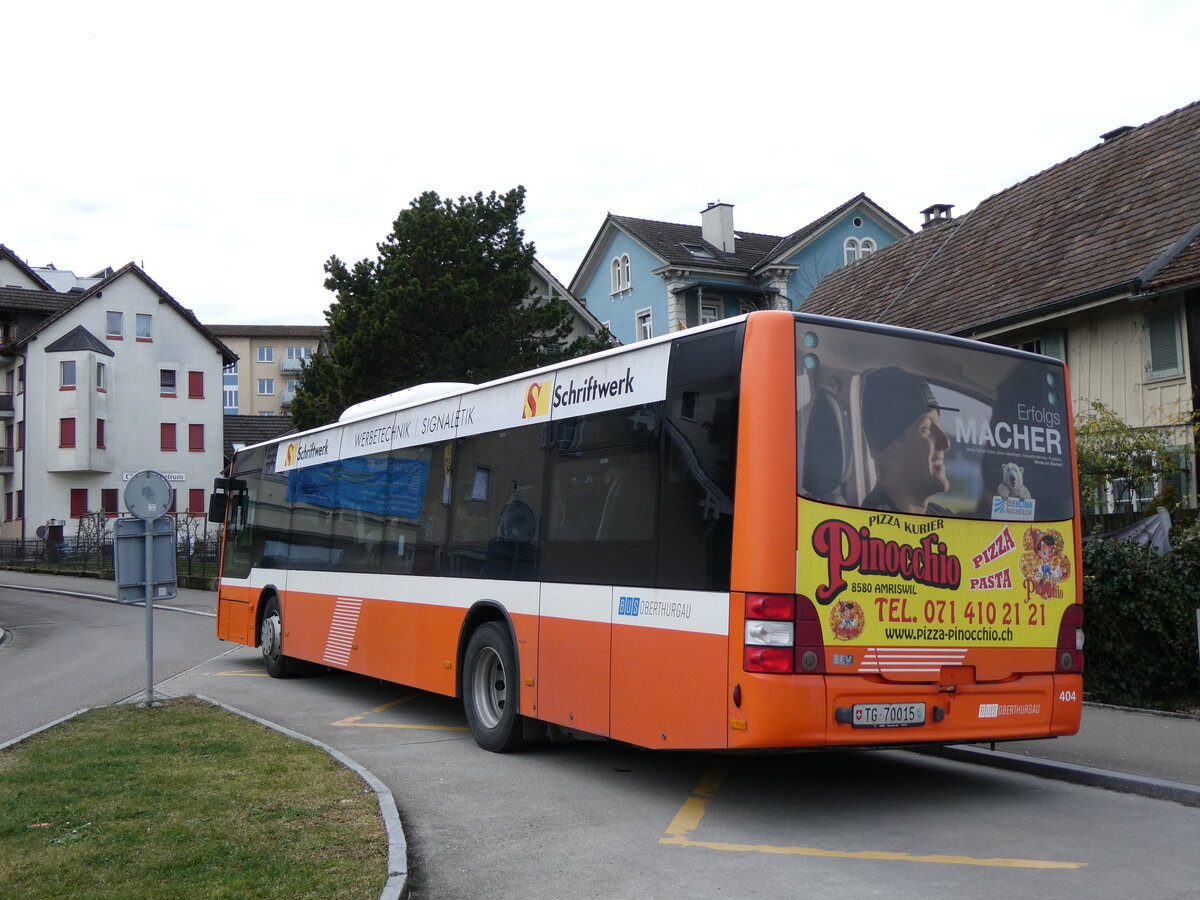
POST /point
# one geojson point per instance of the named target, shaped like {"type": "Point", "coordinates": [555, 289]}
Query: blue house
{"type": "Point", "coordinates": [643, 278]}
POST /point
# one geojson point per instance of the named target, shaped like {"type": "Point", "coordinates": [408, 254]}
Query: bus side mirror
{"type": "Point", "coordinates": [217, 504]}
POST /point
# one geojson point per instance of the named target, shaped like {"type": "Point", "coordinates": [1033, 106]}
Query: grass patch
{"type": "Point", "coordinates": [184, 800]}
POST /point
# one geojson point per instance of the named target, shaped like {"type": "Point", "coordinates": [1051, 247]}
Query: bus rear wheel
{"type": "Point", "coordinates": [490, 689]}
{"type": "Point", "coordinates": [270, 639]}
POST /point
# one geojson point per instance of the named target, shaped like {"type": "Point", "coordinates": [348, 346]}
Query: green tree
{"type": "Point", "coordinates": [1109, 451]}
{"type": "Point", "coordinates": [447, 299]}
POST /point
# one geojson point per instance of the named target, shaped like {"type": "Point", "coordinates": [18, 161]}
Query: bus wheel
{"type": "Point", "coordinates": [270, 637]}
{"type": "Point", "coordinates": [490, 689]}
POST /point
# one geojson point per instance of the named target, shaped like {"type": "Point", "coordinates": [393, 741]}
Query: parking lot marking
{"type": "Point", "coordinates": [687, 820]}
{"type": "Point", "coordinates": [243, 673]}
{"type": "Point", "coordinates": [357, 721]}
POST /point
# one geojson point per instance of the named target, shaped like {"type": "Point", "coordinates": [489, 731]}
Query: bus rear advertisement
{"type": "Point", "coordinates": [773, 531]}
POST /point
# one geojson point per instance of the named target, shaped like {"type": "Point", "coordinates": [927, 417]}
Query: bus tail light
{"type": "Point", "coordinates": [783, 635]}
{"type": "Point", "coordinates": [1070, 640]}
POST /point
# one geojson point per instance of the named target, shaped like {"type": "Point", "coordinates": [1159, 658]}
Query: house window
{"type": "Point", "coordinates": [21, 379]}
{"type": "Point", "coordinates": [299, 352]}
{"type": "Point", "coordinates": [166, 436]}
{"type": "Point", "coordinates": [266, 387]}
{"type": "Point", "coordinates": [99, 434]}
{"type": "Point", "coordinates": [79, 502]}
{"type": "Point", "coordinates": [621, 280]}
{"type": "Point", "coordinates": [66, 375]}
{"type": "Point", "coordinates": [145, 326]}
{"type": "Point", "coordinates": [698, 250]}
{"type": "Point", "coordinates": [66, 432]}
{"type": "Point", "coordinates": [645, 324]}
{"type": "Point", "coordinates": [110, 501]}
{"type": "Point", "coordinates": [8, 506]}
{"type": "Point", "coordinates": [101, 377]}
{"type": "Point", "coordinates": [1164, 356]}
{"type": "Point", "coordinates": [196, 385]}
{"type": "Point", "coordinates": [20, 504]}
{"type": "Point", "coordinates": [21, 435]}
{"type": "Point", "coordinates": [166, 382]}
{"type": "Point", "coordinates": [866, 248]}
{"type": "Point", "coordinates": [196, 501]}
{"type": "Point", "coordinates": [709, 312]}
{"type": "Point", "coordinates": [113, 325]}
{"type": "Point", "coordinates": [196, 438]}
{"type": "Point", "coordinates": [1052, 343]}
{"type": "Point", "coordinates": [266, 354]}
{"type": "Point", "coordinates": [230, 401]}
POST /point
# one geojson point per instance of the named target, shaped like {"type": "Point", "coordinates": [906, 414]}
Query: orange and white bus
{"type": "Point", "coordinates": [777, 530]}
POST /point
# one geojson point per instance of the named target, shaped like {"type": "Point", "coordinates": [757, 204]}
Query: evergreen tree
{"type": "Point", "coordinates": [447, 299]}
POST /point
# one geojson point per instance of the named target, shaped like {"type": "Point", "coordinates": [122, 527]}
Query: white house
{"type": "Point", "coordinates": [102, 381]}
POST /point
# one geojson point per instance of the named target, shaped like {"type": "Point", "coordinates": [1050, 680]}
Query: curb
{"type": "Point", "coordinates": [396, 886]}
{"type": "Point", "coordinates": [1155, 788]}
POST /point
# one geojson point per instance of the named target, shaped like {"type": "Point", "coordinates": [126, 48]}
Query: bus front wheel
{"type": "Point", "coordinates": [490, 689]}
{"type": "Point", "coordinates": [270, 638]}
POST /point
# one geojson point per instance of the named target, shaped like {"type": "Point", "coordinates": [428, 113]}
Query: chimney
{"type": "Point", "coordinates": [716, 226]}
{"type": "Point", "coordinates": [937, 214]}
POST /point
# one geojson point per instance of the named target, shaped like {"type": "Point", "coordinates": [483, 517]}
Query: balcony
{"type": "Point", "coordinates": [290, 366]}
{"type": "Point", "coordinates": [286, 398]}
{"type": "Point", "coordinates": [6, 460]}
{"type": "Point", "coordinates": [6, 405]}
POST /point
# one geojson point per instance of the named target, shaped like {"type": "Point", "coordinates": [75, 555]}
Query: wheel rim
{"type": "Point", "coordinates": [271, 637]}
{"type": "Point", "coordinates": [489, 692]}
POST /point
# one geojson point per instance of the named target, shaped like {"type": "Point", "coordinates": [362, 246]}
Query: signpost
{"type": "Point", "coordinates": [144, 554]}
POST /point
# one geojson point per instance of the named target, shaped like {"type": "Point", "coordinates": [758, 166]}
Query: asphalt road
{"type": "Point", "coordinates": [598, 820]}
{"type": "Point", "coordinates": [62, 654]}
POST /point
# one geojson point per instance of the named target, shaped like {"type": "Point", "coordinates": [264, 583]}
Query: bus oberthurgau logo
{"type": "Point", "coordinates": [537, 400]}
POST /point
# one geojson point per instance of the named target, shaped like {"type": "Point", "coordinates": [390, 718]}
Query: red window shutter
{"type": "Point", "coordinates": [196, 438]}
{"type": "Point", "coordinates": [100, 434]}
{"type": "Point", "coordinates": [166, 436]}
{"type": "Point", "coordinates": [109, 501]}
{"type": "Point", "coordinates": [20, 504]}
{"type": "Point", "coordinates": [66, 432]}
{"type": "Point", "coordinates": [196, 501]}
{"type": "Point", "coordinates": [79, 502]}
{"type": "Point", "coordinates": [196, 385]}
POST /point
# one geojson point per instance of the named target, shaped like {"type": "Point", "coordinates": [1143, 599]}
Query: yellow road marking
{"type": "Point", "coordinates": [357, 721]}
{"type": "Point", "coordinates": [687, 820]}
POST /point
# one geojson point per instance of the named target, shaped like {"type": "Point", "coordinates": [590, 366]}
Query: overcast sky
{"type": "Point", "coordinates": [231, 148]}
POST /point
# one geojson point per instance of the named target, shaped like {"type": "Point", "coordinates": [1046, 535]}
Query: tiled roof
{"type": "Point", "coordinates": [23, 300]}
{"type": "Point", "coordinates": [247, 430]}
{"type": "Point", "coordinates": [666, 239]}
{"type": "Point", "coordinates": [282, 331]}
{"type": "Point", "coordinates": [1083, 228]}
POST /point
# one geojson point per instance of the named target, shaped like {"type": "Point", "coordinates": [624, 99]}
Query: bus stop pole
{"type": "Point", "coordinates": [149, 538]}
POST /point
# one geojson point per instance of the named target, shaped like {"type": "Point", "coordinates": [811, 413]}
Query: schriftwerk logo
{"type": "Point", "coordinates": [537, 400]}
{"type": "Point", "coordinates": [297, 453]}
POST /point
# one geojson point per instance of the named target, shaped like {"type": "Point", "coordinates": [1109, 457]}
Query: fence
{"type": "Point", "coordinates": [90, 551]}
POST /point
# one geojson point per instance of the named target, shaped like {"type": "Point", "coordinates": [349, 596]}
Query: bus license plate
{"type": "Point", "coordinates": [887, 715]}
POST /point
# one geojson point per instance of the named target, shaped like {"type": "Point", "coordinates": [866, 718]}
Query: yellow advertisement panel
{"type": "Point", "coordinates": [888, 579]}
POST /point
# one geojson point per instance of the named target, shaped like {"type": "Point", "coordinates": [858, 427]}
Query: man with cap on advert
{"type": "Point", "coordinates": [902, 421]}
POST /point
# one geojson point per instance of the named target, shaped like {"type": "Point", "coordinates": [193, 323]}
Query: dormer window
{"type": "Point", "coordinates": [620, 271]}
{"type": "Point", "coordinates": [854, 249]}
{"type": "Point", "coordinates": [698, 250]}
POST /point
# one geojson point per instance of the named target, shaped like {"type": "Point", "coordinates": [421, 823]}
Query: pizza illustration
{"type": "Point", "coordinates": [846, 620]}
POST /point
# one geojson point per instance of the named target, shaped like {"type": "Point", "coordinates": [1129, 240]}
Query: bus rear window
{"type": "Point", "coordinates": [892, 422]}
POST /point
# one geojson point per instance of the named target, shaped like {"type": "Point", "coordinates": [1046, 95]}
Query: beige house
{"type": "Point", "coordinates": [1095, 260]}
{"type": "Point", "coordinates": [263, 380]}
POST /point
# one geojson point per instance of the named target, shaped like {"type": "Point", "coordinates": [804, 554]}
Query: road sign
{"type": "Point", "coordinates": [129, 558]}
{"type": "Point", "coordinates": [148, 495]}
